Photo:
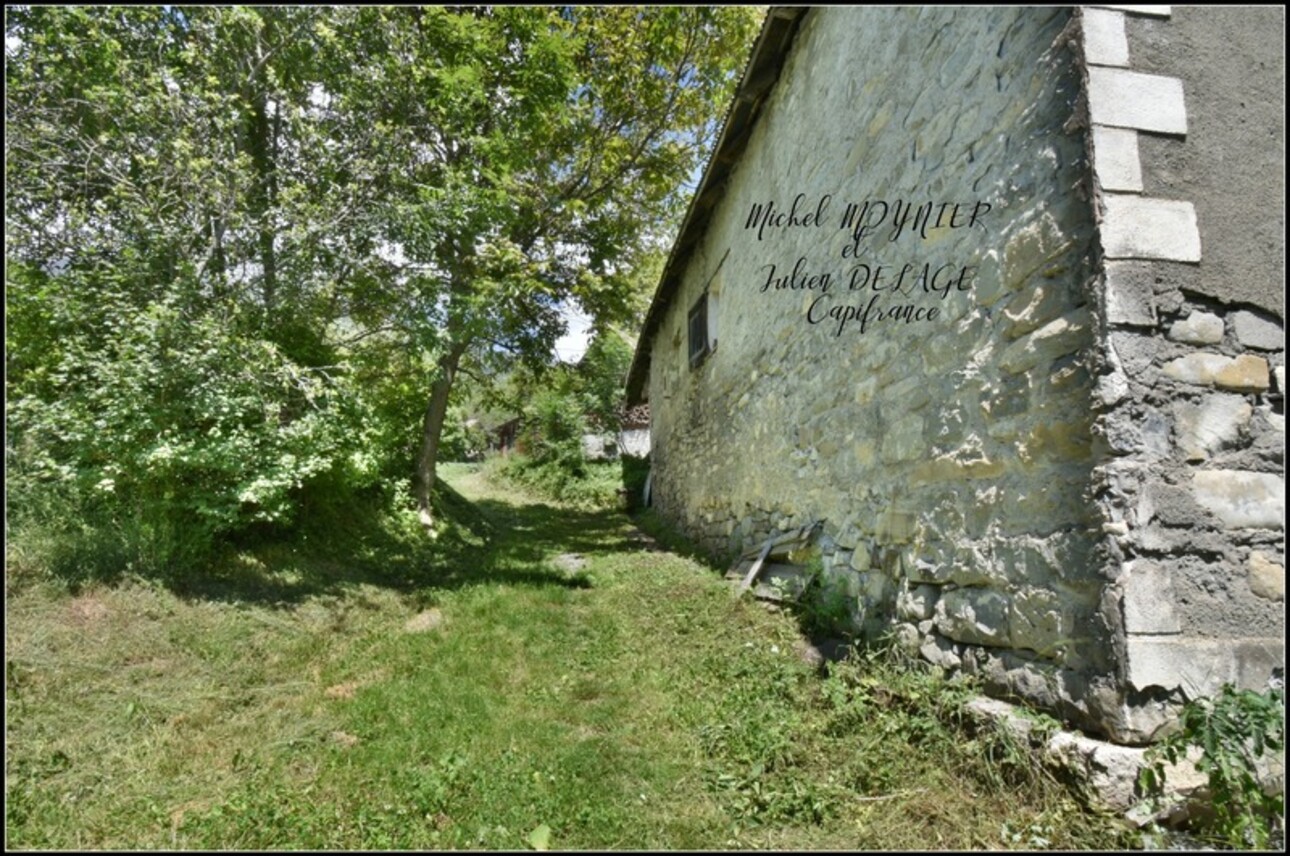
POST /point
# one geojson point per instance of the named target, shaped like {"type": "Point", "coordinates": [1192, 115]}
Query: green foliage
{"type": "Point", "coordinates": [758, 798]}
{"type": "Point", "coordinates": [180, 415]}
{"type": "Point", "coordinates": [245, 245]}
{"type": "Point", "coordinates": [594, 486]}
{"type": "Point", "coordinates": [635, 473]}
{"type": "Point", "coordinates": [825, 605]}
{"type": "Point", "coordinates": [877, 682]}
{"type": "Point", "coordinates": [161, 427]}
{"type": "Point", "coordinates": [553, 429]}
{"type": "Point", "coordinates": [463, 440]}
{"type": "Point", "coordinates": [559, 405]}
{"type": "Point", "coordinates": [559, 139]}
{"type": "Point", "coordinates": [1232, 730]}
{"type": "Point", "coordinates": [602, 379]}
{"type": "Point", "coordinates": [171, 378]}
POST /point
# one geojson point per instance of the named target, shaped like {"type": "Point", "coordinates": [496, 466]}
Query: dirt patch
{"type": "Point", "coordinates": [348, 689]}
{"type": "Point", "coordinates": [585, 732]}
{"type": "Point", "coordinates": [345, 690]}
{"type": "Point", "coordinates": [645, 542]}
{"type": "Point", "coordinates": [817, 652]}
{"type": "Point", "coordinates": [808, 653]}
{"type": "Point", "coordinates": [570, 563]}
{"type": "Point", "coordinates": [344, 738]}
{"type": "Point", "coordinates": [424, 622]}
{"type": "Point", "coordinates": [87, 609]}
{"type": "Point", "coordinates": [178, 812]}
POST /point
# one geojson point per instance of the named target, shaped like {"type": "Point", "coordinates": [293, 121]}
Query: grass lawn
{"type": "Point", "coordinates": [537, 676]}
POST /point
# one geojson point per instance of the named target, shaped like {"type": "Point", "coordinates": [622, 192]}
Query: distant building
{"type": "Point", "coordinates": [633, 434]}
{"type": "Point", "coordinates": [505, 437]}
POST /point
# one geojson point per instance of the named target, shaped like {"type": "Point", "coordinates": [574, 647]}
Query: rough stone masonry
{"type": "Point", "coordinates": [1190, 480]}
{"type": "Point", "coordinates": [958, 305]}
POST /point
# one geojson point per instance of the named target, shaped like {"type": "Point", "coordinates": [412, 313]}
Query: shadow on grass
{"type": "Point", "coordinates": [658, 534]}
{"type": "Point", "coordinates": [488, 542]}
{"type": "Point", "coordinates": [828, 641]}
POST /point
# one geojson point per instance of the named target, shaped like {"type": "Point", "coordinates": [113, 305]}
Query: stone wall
{"type": "Point", "coordinates": [949, 459]}
{"type": "Point", "coordinates": [1046, 481]}
{"type": "Point", "coordinates": [1191, 426]}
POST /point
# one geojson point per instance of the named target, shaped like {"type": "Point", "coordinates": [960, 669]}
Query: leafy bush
{"type": "Point", "coordinates": [635, 473]}
{"type": "Point", "coordinates": [553, 431]}
{"type": "Point", "coordinates": [461, 441]}
{"type": "Point", "coordinates": [826, 606]}
{"type": "Point", "coordinates": [151, 430]}
{"type": "Point", "coordinates": [1232, 730]}
{"type": "Point", "coordinates": [553, 463]}
{"type": "Point", "coordinates": [594, 486]}
{"type": "Point", "coordinates": [602, 378]}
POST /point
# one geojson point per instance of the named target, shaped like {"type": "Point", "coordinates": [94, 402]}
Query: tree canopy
{"type": "Point", "coordinates": [251, 248]}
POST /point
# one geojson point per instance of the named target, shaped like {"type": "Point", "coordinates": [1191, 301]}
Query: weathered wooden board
{"type": "Point", "coordinates": [755, 569]}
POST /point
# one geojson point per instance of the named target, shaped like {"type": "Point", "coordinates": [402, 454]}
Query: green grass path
{"type": "Point", "coordinates": [478, 693]}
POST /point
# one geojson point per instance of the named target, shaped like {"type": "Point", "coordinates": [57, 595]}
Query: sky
{"type": "Point", "coordinates": [570, 347]}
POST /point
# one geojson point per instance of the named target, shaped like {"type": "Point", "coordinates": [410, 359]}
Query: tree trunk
{"type": "Point", "coordinates": [262, 148]}
{"type": "Point", "coordinates": [432, 431]}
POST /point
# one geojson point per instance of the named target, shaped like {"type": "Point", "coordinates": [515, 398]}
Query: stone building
{"type": "Point", "coordinates": [995, 296]}
{"type": "Point", "coordinates": [633, 433]}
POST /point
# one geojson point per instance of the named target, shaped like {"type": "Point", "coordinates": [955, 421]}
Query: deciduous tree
{"type": "Point", "coordinates": [241, 240]}
{"type": "Point", "coordinates": [552, 144]}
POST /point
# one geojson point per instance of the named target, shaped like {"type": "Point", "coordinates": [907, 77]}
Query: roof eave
{"type": "Point", "coordinates": [764, 65]}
